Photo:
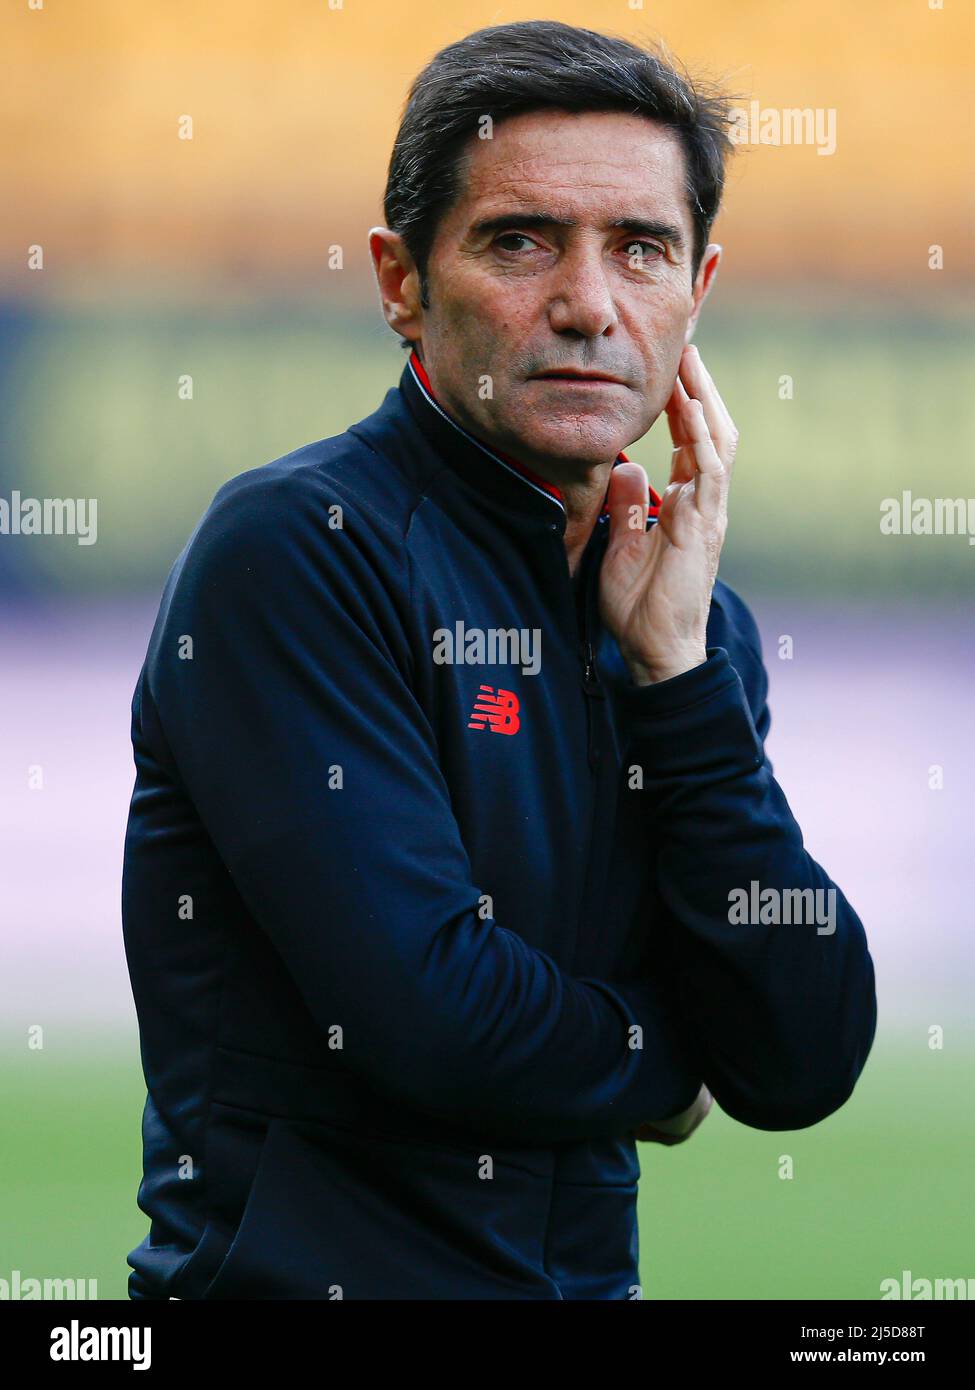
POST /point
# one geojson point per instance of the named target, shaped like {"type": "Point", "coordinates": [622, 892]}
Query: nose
{"type": "Point", "coordinates": [582, 301]}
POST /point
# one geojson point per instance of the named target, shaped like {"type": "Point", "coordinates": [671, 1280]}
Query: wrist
{"type": "Point", "coordinates": [643, 672]}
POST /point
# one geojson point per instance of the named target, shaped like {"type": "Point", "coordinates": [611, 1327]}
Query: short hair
{"type": "Point", "coordinates": [508, 69]}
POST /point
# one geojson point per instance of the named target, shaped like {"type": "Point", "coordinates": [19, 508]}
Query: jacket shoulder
{"type": "Point", "coordinates": [341, 472]}
{"type": "Point", "coordinates": [333, 505]}
{"type": "Point", "coordinates": [296, 539]}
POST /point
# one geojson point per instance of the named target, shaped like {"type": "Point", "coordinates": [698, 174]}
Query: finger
{"type": "Point", "coordinates": [682, 466]}
{"type": "Point", "coordinates": [648, 1134]}
{"type": "Point", "coordinates": [628, 501]}
{"type": "Point", "coordinates": [675, 414]}
{"type": "Point", "coordinates": [711, 482]}
{"type": "Point", "coordinates": [695, 360]}
{"type": "Point", "coordinates": [700, 383]}
{"type": "Point", "coordinates": [700, 386]}
{"type": "Point", "coordinates": [668, 507]}
{"type": "Point", "coordinates": [682, 456]}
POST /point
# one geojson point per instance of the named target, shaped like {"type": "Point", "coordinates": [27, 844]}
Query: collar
{"type": "Point", "coordinates": [512, 483]}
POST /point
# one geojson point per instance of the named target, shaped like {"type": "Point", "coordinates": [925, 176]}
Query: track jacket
{"type": "Point", "coordinates": [426, 905]}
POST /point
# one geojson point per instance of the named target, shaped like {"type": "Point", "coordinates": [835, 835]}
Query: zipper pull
{"type": "Point", "coordinates": [589, 679]}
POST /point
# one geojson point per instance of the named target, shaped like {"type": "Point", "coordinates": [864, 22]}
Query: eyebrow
{"type": "Point", "coordinates": [640, 226]}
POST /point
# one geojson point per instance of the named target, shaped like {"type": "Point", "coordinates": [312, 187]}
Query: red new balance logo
{"type": "Point", "coordinates": [496, 710]}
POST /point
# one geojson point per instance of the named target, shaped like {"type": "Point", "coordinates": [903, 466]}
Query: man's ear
{"type": "Point", "coordinates": [399, 282]}
{"type": "Point", "coordinates": [706, 273]}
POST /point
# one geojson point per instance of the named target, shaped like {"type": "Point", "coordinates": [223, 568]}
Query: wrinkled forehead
{"type": "Point", "coordinates": [574, 164]}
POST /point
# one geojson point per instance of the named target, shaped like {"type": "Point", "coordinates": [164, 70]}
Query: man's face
{"type": "Point", "coordinates": [528, 275]}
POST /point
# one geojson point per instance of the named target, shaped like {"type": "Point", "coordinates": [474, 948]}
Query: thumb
{"type": "Point", "coordinates": [628, 500]}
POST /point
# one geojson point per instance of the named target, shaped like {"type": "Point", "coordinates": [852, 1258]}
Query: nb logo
{"type": "Point", "coordinates": [496, 710]}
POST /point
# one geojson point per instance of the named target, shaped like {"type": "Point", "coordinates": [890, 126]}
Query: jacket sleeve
{"type": "Point", "coordinates": [294, 730]}
{"type": "Point", "coordinates": [782, 1012]}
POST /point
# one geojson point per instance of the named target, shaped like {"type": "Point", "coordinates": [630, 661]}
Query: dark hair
{"type": "Point", "coordinates": [512, 68]}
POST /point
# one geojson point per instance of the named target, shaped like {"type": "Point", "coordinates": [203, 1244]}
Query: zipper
{"type": "Point", "coordinates": [590, 676]}
{"type": "Point", "coordinates": [590, 682]}
{"type": "Point", "coordinates": [586, 952]}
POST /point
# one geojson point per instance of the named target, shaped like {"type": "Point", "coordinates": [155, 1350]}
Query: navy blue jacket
{"type": "Point", "coordinates": [426, 905]}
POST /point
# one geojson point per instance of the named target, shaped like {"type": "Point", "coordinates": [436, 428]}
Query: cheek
{"type": "Point", "coordinates": [477, 320]}
{"type": "Point", "coordinates": [501, 300]}
{"type": "Point", "coordinates": [660, 331]}
{"type": "Point", "coordinates": [666, 311]}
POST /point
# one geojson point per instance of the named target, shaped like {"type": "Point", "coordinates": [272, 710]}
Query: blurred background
{"type": "Point", "coordinates": [839, 334]}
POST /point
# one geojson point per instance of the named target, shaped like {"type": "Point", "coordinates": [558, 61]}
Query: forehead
{"type": "Point", "coordinates": [573, 163]}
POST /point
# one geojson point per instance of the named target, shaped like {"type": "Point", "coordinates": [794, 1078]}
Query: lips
{"type": "Point", "coordinates": [582, 378]}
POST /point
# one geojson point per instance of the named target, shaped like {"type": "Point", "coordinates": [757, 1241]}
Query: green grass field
{"type": "Point", "coordinates": [883, 1186]}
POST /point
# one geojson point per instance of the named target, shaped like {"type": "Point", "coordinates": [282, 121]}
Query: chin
{"type": "Point", "coordinates": [575, 437]}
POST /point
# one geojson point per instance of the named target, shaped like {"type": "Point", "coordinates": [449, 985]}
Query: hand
{"type": "Point", "coordinates": [655, 586]}
{"type": "Point", "coordinates": [678, 1127]}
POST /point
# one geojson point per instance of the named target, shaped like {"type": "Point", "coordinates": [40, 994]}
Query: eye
{"type": "Point", "coordinates": [512, 236]}
{"type": "Point", "coordinates": [641, 248]}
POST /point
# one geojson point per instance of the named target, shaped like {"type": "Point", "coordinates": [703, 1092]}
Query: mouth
{"type": "Point", "coordinates": [570, 377]}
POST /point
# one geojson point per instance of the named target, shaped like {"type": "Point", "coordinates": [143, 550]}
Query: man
{"type": "Point", "coordinates": [449, 748]}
